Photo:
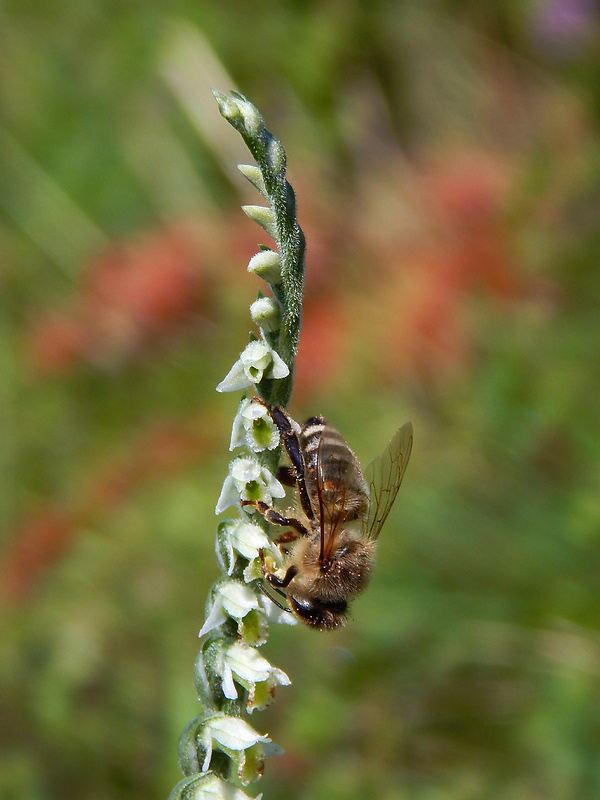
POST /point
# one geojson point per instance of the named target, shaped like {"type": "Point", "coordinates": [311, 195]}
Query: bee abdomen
{"type": "Point", "coordinates": [312, 431]}
{"type": "Point", "coordinates": [334, 448]}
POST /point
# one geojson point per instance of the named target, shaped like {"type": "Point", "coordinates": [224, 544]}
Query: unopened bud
{"type": "Point", "coordinates": [266, 313]}
{"type": "Point", "coordinates": [254, 175]}
{"type": "Point", "coordinates": [252, 119]}
{"type": "Point", "coordinates": [264, 217]}
{"type": "Point", "coordinates": [228, 107]}
{"type": "Point", "coordinates": [267, 265]}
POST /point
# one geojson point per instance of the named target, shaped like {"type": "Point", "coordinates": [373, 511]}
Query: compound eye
{"type": "Point", "coordinates": [305, 608]}
{"type": "Point", "coordinates": [325, 616]}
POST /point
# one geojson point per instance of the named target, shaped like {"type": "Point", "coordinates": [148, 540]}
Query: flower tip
{"type": "Point", "coordinates": [227, 106]}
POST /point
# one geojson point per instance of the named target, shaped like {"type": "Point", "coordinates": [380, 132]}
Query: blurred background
{"type": "Point", "coordinates": [446, 160]}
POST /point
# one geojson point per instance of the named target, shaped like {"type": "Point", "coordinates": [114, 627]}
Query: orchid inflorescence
{"type": "Point", "coordinates": [219, 750]}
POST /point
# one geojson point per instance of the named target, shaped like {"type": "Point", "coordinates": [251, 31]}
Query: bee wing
{"type": "Point", "coordinates": [384, 476]}
{"type": "Point", "coordinates": [337, 470]}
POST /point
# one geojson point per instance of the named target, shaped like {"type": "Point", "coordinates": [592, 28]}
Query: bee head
{"type": "Point", "coordinates": [317, 614]}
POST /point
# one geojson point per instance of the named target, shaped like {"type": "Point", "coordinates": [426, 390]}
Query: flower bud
{"type": "Point", "coordinates": [250, 115]}
{"type": "Point", "coordinates": [228, 107]}
{"type": "Point", "coordinates": [266, 313]}
{"type": "Point", "coordinates": [254, 175]}
{"type": "Point", "coordinates": [239, 112]}
{"type": "Point", "coordinates": [264, 217]}
{"type": "Point", "coordinates": [267, 265]}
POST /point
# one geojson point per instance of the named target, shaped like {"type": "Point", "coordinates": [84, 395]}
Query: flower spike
{"type": "Point", "coordinates": [232, 679]}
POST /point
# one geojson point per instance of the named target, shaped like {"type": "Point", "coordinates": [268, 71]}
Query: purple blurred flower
{"type": "Point", "coordinates": [564, 23]}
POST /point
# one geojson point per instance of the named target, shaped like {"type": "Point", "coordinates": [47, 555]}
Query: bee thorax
{"type": "Point", "coordinates": [341, 576]}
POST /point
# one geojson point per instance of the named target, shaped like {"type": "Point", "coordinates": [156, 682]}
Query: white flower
{"type": "Point", "coordinates": [252, 671]}
{"type": "Point", "coordinates": [256, 361]}
{"type": "Point", "coordinates": [231, 733]}
{"type": "Point", "coordinates": [254, 427]}
{"type": "Point", "coordinates": [231, 598]}
{"type": "Point", "coordinates": [246, 538]}
{"type": "Point", "coordinates": [248, 480]}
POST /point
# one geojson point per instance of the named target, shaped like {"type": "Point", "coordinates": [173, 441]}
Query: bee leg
{"type": "Point", "coordinates": [266, 574]}
{"type": "Point", "coordinates": [265, 571]}
{"type": "Point", "coordinates": [292, 445]}
{"type": "Point", "coordinates": [277, 583]}
{"type": "Point", "coordinates": [273, 516]}
{"type": "Point", "coordinates": [288, 536]}
{"type": "Point", "coordinates": [287, 476]}
{"type": "Point", "coordinates": [281, 583]}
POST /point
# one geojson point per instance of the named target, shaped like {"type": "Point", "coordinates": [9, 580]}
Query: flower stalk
{"type": "Point", "coordinates": [219, 751]}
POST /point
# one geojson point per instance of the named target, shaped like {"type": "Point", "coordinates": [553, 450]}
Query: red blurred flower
{"type": "Point", "coordinates": [45, 536]}
{"type": "Point", "coordinates": [134, 295]}
{"type": "Point", "coordinates": [37, 543]}
{"type": "Point", "coordinates": [463, 247]}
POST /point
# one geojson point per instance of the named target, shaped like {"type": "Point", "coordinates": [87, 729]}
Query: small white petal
{"type": "Point", "coordinates": [207, 742]}
{"type": "Point", "coordinates": [273, 485]}
{"type": "Point", "coordinates": [247, 663]}
{"type": "Point", "coordinates": [243, 470]}
{"type": "Point", "coordinates": [257, 353]}
{"type": "Point", "coordinates": [247, 538]}
{"type": "Point", "coordinates": [235, 379]}
{"type": "Point", "coordinates": [215, 618]}
{"type": "Point", "coordinates": [229, 689]}
{"type": "Point", "coordinates": [278, 369]}
{"type": "Point", "coordinates": [224, 547]}
{"type": "Point", "coordinates": [229, 495]}
{"type": "Point", "coordinates": [237, 598]}
{"type": "Point", "coordinates": [238, 433]}
{"type": "Point", "coordinates": [234, 733]}
{"type": "Point", "coordinates": [251, 411]}
{"type": "Point", "coordinates": [280, 677]}
{"type": "Point", "coordinates": [275, 614]}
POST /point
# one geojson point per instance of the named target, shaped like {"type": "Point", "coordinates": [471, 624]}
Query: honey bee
{"type": "Point", "coordinates": [333, 540]}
